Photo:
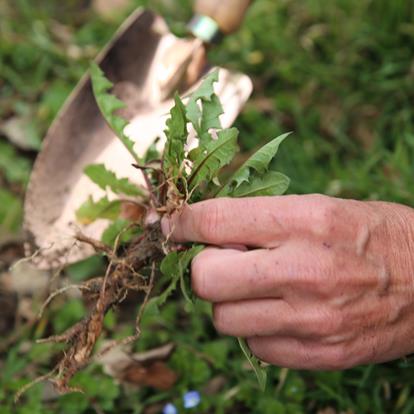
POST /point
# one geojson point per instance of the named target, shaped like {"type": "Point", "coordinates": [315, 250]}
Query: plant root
{"type": "Point", "coordinates": [32, 383]}
{"type": "Point", "coordinates": [124, 274]}
{"type": "Point", "coordinates": [57, 293]}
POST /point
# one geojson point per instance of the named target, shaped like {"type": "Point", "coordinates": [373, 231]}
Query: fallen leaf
{"type": "Point", "coordinates": [141, 369]}
{"type": "Point", "coordinates": [156, 374]}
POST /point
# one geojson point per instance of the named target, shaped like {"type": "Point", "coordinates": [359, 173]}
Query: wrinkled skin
{"type": "Point", "coordinates": [324, 284]}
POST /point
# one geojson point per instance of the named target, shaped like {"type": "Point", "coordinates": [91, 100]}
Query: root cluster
{"type": "Point", "coordinates": [133, 270]}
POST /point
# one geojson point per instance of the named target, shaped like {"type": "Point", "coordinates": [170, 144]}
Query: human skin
{"type": "Point", "coordinates": [312, 282]}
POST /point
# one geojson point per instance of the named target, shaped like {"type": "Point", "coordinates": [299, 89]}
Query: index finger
{"type": "Point", "coordinates": [254, 222]}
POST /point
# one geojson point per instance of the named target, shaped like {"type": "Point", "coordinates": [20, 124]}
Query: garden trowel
{"type": "Point", "coordinates": [147, 64]}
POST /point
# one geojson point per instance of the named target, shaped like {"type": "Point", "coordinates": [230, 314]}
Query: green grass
{"type": "Point", "coordinates": [338, 74]}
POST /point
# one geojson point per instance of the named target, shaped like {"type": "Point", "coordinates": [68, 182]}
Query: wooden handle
{"type": "Point", "coordinates": [229, 14]}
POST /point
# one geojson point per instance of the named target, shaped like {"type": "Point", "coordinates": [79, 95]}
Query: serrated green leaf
{"type": "Point", "coordinates": [206, 90]}
{"type": "Point", "coordinates": [211, 112]}
{"type": "Point", "coordinates": [112, 231]}
{"type": "Point", "coordinates": [185, 259]}
{"type": "Point", "coordinates": [194, 154]}
{"type": "Point", "coordinates": [270, 184]}
{"type": "Point", "coordinates": [255, 364]}
{"type": "Point", "coordinates": [170, 268]}
{"type": "Point", "coordinates": [105, 178]}
{"type": "Point", "coordinates": [258, 162]}
{"type": "Point", "coordinates": [215, 156]}
{"type": "Point", "coordinates": [176, 134]}
{"type": "Point", "coordinates": [92, 210]}
{"type": "Point", "coordinates": [108, 104]}
{"type": "Point", "coordinates": [193, 113]}
{"type": "Point", "coordinates": [169, 265]}
{"type": "Point", "coordinates": [204, 115]}
{"type": "Point", "coordinates": [187, 256]}
{"type": "Point", "coordinates": [210, 118]}
{"type": "Point", "coordinates": [175, 266]}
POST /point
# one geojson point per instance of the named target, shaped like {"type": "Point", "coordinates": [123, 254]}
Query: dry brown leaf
{"type": "Point", "coordinates": [141, 369]}
{"type": "Point", "coordinates": [156, 374]}
{"type": "Point", "coordinates": [132, 211]}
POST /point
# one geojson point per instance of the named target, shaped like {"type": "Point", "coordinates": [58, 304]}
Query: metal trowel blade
{"type": "Point", "coordinates": [79, 137]}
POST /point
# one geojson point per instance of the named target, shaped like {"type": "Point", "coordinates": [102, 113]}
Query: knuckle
{"type": "Point", "coordinates": [325, 215]}
{"type": "Point", "coordinates": [338, 263]}
{"type": "Point", "coordinates": [318, 277]}
{"type": "Point", "coordinates": [325, 287]}
{"type": "Point", "coordinates": [333, 324]}
{"type": "Point", "coordinates": [326, 324]}
{"type": "Point", "coordinates": [305, 356]}
{"type": "Point", "coordinates": [210, 219]}
{"type": "Point", "coordinates": [307, 280]}
{"type": "Point", "coordinates": [336, 358]}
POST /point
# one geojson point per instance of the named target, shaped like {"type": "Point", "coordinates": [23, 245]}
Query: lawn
{"type": "Point", "coordinates": [338, 74]}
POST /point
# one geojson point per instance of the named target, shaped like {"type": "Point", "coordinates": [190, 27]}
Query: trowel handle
{"type": "Point", "coordinates": [228, 14]}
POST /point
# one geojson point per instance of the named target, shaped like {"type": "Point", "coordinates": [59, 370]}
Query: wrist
{"type": "Point", "coordinates": [396, 235]}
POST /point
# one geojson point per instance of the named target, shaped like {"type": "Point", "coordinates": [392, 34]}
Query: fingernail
{"type": "Point", "coordinates": [166, 226]}
{"type": "Point", "coordinates": [152, 218]}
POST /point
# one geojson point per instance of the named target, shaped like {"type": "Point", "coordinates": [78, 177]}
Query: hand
{"type": "Point", "coordinates": [328, 285]}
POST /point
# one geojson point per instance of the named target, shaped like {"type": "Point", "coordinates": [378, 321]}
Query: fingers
{"type": "Point", "coordinates": [220, 275]}
{"type": "Point", "coordinates": [255, 222]}
{"type": "Point", "coordinates": [229, 275]}
{"type": "Point", "coordinates": [302, 354]}
{"type": "Point", "coordinates": [269, 317]}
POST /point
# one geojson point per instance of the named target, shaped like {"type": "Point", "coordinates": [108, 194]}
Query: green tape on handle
{"type": "Point", "coordinates": [205, 28]}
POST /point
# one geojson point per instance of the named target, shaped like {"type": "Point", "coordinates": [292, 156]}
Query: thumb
{"type": "Point", "coordinates": [225, 221]}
